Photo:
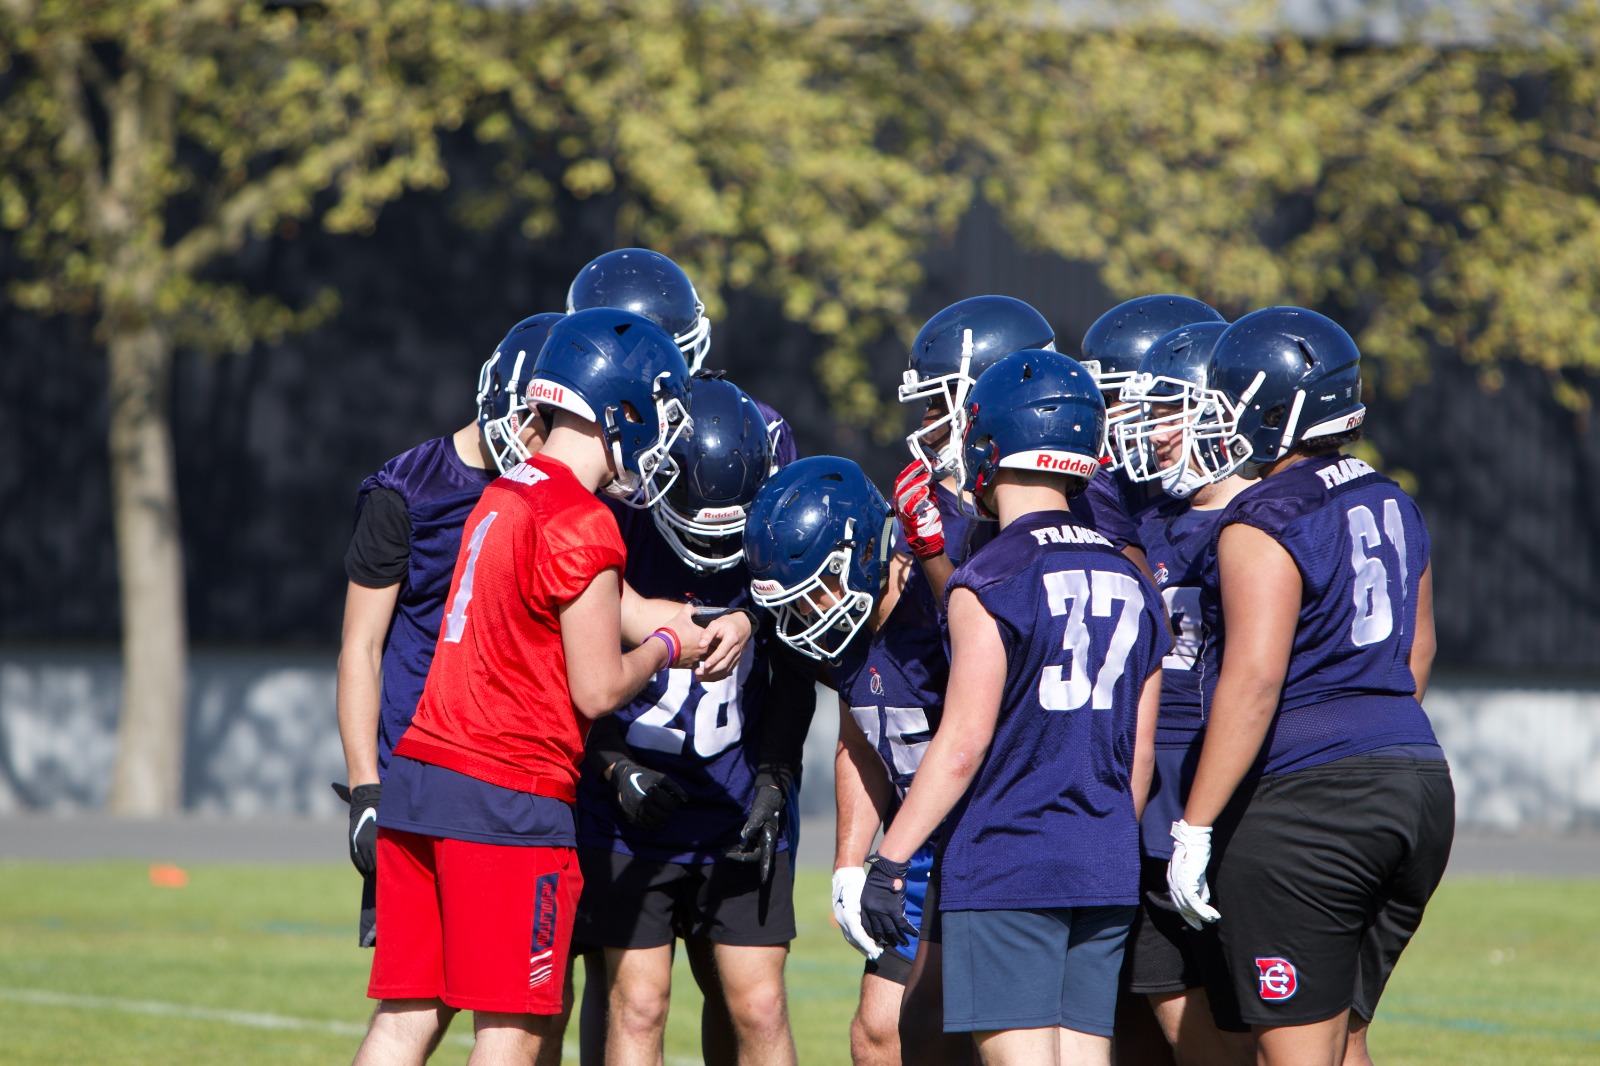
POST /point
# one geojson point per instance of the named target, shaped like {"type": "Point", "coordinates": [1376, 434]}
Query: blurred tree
{"type": "Point", "coordinates": [143, 141]}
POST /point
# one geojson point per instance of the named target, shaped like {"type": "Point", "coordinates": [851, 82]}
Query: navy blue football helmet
{"type": "Point", "coordinates": [649, 284]}
{"type": "Point", "coordinates": [1033, 410]}
{"type": "Point", "coordinates": [1114, 346]}
{"type": "Point", "coordinates": [952, 349]}
{"type": "Point", "coordinates": [1283, 375]}
{"type": "Point", "coordinates": [721, 465]}
{"type": "Point", "coordinates": [1173, 435]}
{"type": "Point", "coordinates": [817, 541]}
{"type": "Point", "coordinates": [623, 373]}
{"type": "Point", "coordinates": [502, 407]}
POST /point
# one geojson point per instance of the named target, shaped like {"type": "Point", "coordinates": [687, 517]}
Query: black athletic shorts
{"type": "Point", "coordinates": [1322, 882]}
{"type": "Point", "coordinates": [1163, 953]}
{"type": "Point", "coordinates": [367, 924]}
{"type": "Point", "coordinates": [629, 902]}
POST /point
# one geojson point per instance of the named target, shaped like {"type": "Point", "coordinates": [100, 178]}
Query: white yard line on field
{"type": "Point", "coordinates": [248, 1019]}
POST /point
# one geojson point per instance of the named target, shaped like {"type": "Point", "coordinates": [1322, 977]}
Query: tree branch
{"type": "Point", "coordinates": [80, 150]}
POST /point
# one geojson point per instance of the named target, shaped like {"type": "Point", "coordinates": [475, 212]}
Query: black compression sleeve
{"type": "Point", "coordinates": [380, 547]}
{"type": "Point", "coordinates": [606, 744]}
{"type": "Point", "coordinates": [791, 702]}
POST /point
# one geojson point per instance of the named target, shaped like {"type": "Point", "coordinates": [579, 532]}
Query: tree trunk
{"type": "Point", "coordinates": [148, 779]}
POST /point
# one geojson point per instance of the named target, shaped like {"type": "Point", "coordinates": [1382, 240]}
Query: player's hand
{"type": "Point", "coordinates": [363, 839]}
{"type": "Point", "coordinates": [1186, 873]}
{"type": "Point", "coordinates": [918, 513]}
{"type": "Point", "coordinates": [883, 902]}
{"type": "Point", "coordinates": [847, 882]}
{"type": "Point", "coordinates": [689, 637]}
{"type": "Point", "coordinates": [725, 637]}
{"type": "Point", "coordinates": [646, 796]}
{"type": "Point", "coordinates": [758, 840]}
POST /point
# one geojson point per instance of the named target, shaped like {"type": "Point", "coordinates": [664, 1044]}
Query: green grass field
{"type": "Point", "coordinates": [257, 964]}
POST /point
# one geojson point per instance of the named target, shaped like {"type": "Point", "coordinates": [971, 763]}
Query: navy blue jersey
{"type": "Point", "coordinates": [893, 681]}
{"type": "Point", "coordinates": [439, 491]}
{"type": "Point", "coordinates": [784, 448]}
{"type": "Point", "coordinates": [698, 734]}
{"type": "Point", "coordinates": [1048, 821]}
{"type": "Point", "coordinates": [1361, 546]}
{"type": "Point", "coordinates": [963, 535]}
{"type": "Point", "coordinates": [1108, 505]}
{"type": "Point", "coordinates": [1177, 538]}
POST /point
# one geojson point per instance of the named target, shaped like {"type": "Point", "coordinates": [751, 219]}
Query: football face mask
{"type": "Point", "coordinates": [819, 615]}
{"type": "Point", "coordinates": [1177, 435]}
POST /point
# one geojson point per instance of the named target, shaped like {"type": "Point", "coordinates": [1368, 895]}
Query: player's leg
{"type": "Point", "coordinates": [1186, 1021]}
{"type": "Point", "coordinates": [511, 1039]}
{"type": "Point", "coordinates": [1355, 1044]}
{"type": "Point", "coordinates": [1088, 1003]}
{"type": "Point", "coordinates": [923, 1038]}
{"type": "Point", "coordinates": [641, 993]}
{"type": "Point", "coordinates": [750, 924]}
{"type": "Point", "coordinates": [408, 966]}
{"type": "Point", "coordinates": [594, 1012]}
{"type": "Point", "coordinates": [719, 1045]}
{"type": "Point", "coordinates": [1004, 978]}
{"type": "Point", "coordinates": [875, 1029]}
{"type": "Point", "coordinates": [1018, 1047]}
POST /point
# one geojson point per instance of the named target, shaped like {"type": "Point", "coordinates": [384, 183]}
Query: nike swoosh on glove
{"type": "Point", "coordinates": [646, 796]}
{"type": "Point", "coordinates": [847, 884]}
{"type": "Point", "coordinates": [1186, 873]}
{"type": "Point", "coordinates": [883, 902]}
{"type": "Point", "coordinates": [363, 839]}
{"type": "Point", "coordinates": [918, 513]}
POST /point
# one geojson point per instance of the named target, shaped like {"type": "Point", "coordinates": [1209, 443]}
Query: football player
{"type": "Point", "coordinates": [407, 535]}
{"type": "Point", "coordinates": [1165, 960]}
{"type": "Point", "coordinates": [1320, 779]}
{"type": "Point", "coordinates": [820, 549]}
{"type": "Point", "coordinates": [476, 839]}
{"type": "Point", "coordinates": [687, 775]}
{"type": "Point", "coordinates": [1040, 765]}
{"type": "Point", "coordinates": [1111, 351]}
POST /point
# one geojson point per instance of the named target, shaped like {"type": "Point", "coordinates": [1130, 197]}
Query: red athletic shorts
{"type": "Point", "coordinates": [480, 926]}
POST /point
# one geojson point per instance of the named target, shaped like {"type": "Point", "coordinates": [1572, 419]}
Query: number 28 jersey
{"type": "Point", "coordinates": [1049, 822]}
{"type": "Point", "coordinates": [1361, 547]}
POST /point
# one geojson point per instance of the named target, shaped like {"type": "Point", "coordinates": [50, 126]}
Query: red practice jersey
{"type": "Point", "coordinates": [496, 704]}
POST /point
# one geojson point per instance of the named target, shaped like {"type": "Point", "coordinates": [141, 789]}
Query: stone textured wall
{"type": "Point", "coordinates": [263, 740]}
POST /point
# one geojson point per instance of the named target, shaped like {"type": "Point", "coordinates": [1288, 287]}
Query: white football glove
{"type": "Point", "coordinates": [847, 882]}
{"type": "Point", "coordinates": [1186, 873]}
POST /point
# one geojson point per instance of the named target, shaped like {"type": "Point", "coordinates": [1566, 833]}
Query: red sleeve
{"type": "Point", "coordinates": [569, 573]}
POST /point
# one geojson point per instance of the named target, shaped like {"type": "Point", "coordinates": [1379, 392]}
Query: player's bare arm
{"type": "Point", "coordinates": [862, 792]}
{"type": "Point", "coordinates": [600, 676]}
{"type": "Point", "coordinates": [972, 707]}
{"type": "Point", "coordinates": [1261, 590]}
{"type": "Point", "coordinates": [1144, 742]}
{"type": "Point", "coordinates": [719, 645]}
{"type": "Point", "coordinates": [1425, 643]}
{"type": "Point", "coordinates": [367, 615]}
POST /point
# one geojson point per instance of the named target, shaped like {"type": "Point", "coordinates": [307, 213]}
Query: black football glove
{"type": "Point", "coordinates": [758, 840]}
{"type": "Point", "coordinates": [363, 841]}
{"type": "Point", "coordinates": [883, 906]}
{"type": "Point", "coordinates": [646, 796]}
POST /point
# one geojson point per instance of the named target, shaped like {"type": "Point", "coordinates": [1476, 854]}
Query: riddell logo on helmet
{"type": "Point", "coordinates": [544, 390]}
{"type": "Point", "coordinates": [1277, 977]}
{"type": "Point", "coordinates": [765, 588]}
{"type": "Point", "coordinates": [720, 514]}
{"type": "Point", "coordinates": [1064, 464]}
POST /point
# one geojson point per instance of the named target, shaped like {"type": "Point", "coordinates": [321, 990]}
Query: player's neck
{"type": "Point", "coordinates": [579, 446]}
{"type": "Point", "coordinates": [470, 448]}
{"type": "Point", "coordinates": [1012, 500]}
{"type": "Point", "coordinates": [1212, 497]}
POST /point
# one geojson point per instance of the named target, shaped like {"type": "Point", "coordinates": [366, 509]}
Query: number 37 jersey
{"type": "Point", "coordinates": [1049, 821]}
{"type": "Point", "coordinates": [1361, 547]}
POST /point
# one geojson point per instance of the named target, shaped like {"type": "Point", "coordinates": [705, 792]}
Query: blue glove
{"type": "Point", "coordinates": [883, 902]}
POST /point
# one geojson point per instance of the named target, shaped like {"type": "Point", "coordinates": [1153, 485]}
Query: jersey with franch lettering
{"type": "Point", "coordinates": [697, 733]}
{"type": "Point", "coordinates": [1049, 821]}
{"type": "Point", "coordinates": [1176, 538]}
{"type": "Point", "coordinates": [496, 706]}
{"type": "Point", "coordinates": [437, 491]}
{"type": "Point", "coordinates": [1361, 546]}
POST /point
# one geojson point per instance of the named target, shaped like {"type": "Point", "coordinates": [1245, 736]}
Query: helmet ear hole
{"type": "Point", "coordinates": [1274, 417]}
{"type": "Point", "coordinates": [630, 413]}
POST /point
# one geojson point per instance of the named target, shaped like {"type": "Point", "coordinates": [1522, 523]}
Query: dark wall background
{"type": "Point", "coordinates": [272, 444]}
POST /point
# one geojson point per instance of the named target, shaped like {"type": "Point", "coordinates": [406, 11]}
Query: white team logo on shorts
{"type": "Point", "coordinates": [1277, 977]}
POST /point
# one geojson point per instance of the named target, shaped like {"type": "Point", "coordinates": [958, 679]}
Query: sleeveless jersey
{"type": "Point", "coordinates": [701, 735]}
{"type": "Point", "coordinates": [1177, 537]}
{"type": "Point", "coordinates": [496, 706]}
{"type": "Point", "coordinates": [963, 535]}
{"type": "Point", "coordinates": [1361, 545]}
{"type": "Point", "coordinates": [439, 491]}
{"type": "Point", "coordinates": [893, 681]}
{"type": "Point", "coordinates": [1048, 821]}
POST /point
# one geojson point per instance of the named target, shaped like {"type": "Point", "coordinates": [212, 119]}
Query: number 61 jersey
{"type": "Point", "coordinates": [1361, 547]}
{"type": "Point", "coordinates": [1049, 822]}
